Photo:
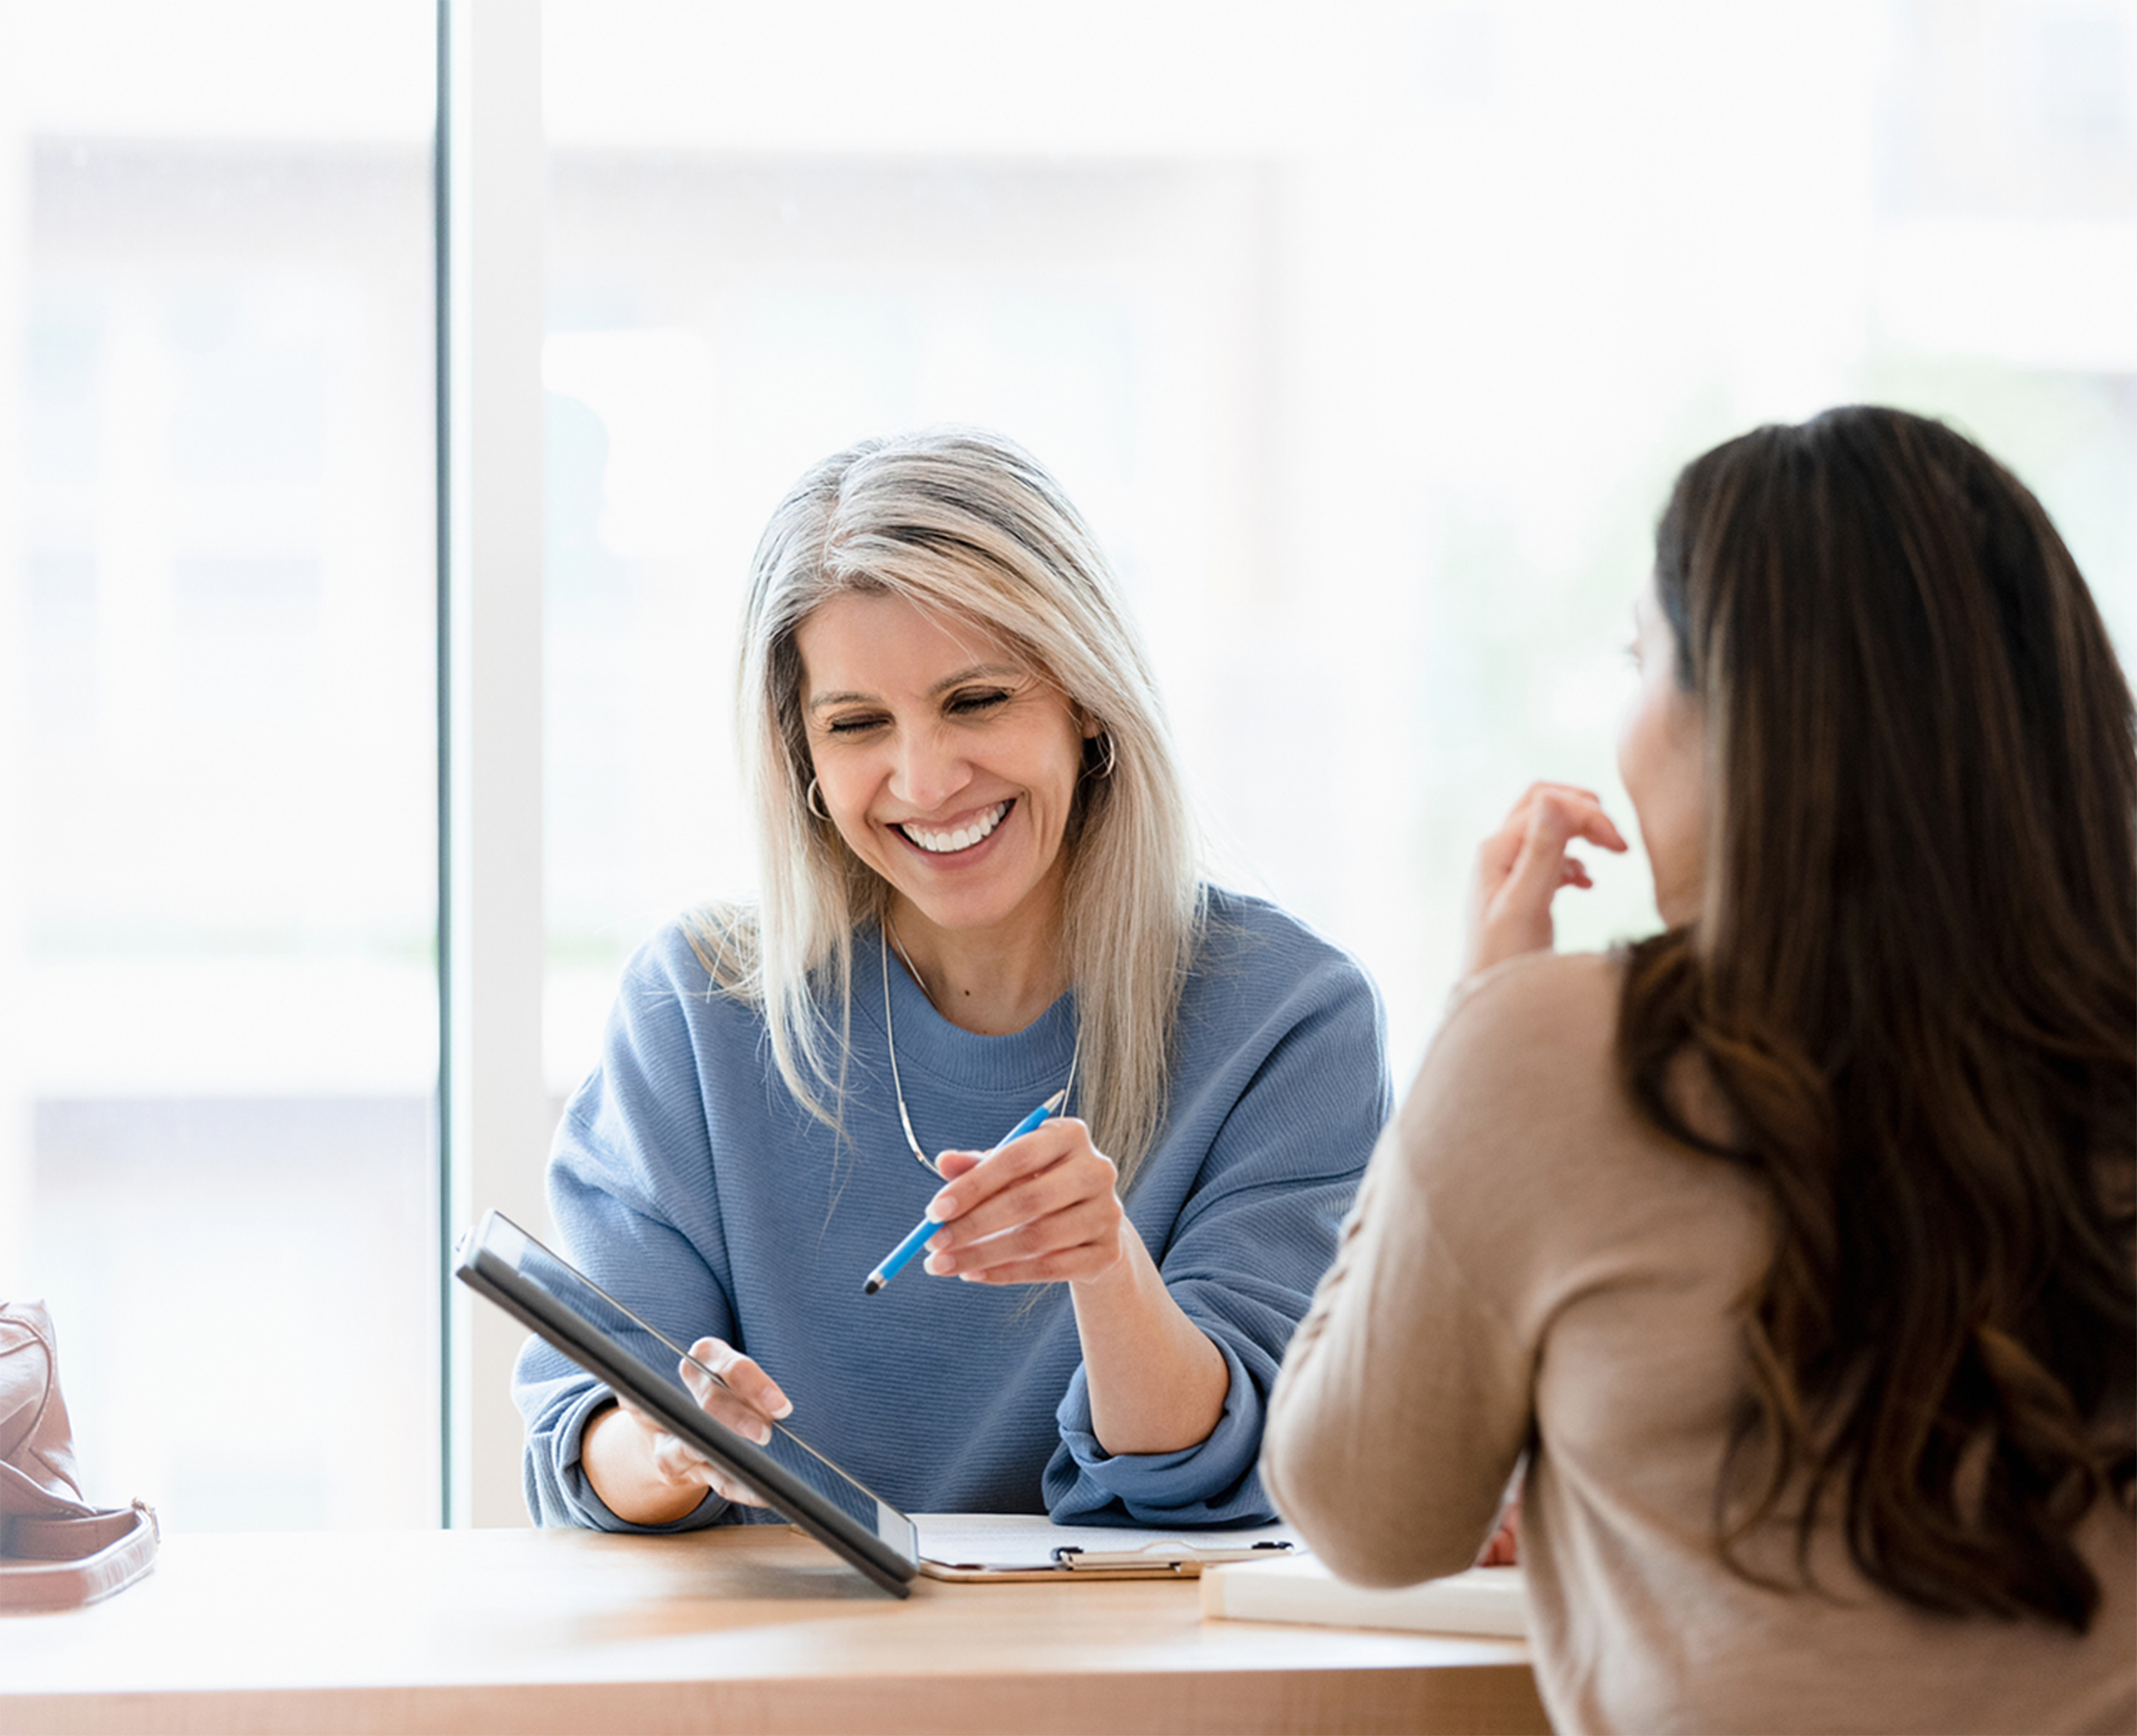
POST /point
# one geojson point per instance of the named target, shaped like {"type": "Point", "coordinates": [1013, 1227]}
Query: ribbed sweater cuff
{"type": "Point", "coordinates": [1198, 1484]}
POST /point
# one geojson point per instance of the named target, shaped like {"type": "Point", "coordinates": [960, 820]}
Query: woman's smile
{"type": "Point", "coordinates": [959, 836]}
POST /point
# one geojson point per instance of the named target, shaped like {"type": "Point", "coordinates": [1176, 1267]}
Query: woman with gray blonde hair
{"type": "Point", "coordinates": [981, 890]}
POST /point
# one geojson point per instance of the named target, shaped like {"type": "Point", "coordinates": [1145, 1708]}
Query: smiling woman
{"type": "Point", "coordinates": [954, 780]}
{"type": "Point", "coordinates": [971, 822]}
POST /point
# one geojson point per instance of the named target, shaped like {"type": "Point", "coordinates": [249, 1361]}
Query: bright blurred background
{"type": "Point", "coordinates": [218, 1027]}
{"type": "Point", "coordinates": [1368, 335]}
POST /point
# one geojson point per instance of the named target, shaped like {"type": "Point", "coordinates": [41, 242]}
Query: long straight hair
{"type": "Point", "coordinates": [1914, 977]}
{"type": "Point", "coordinates": [969, 528]}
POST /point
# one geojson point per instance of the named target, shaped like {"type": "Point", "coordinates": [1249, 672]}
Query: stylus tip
{"type": "Point", "coordinates": [874, 1284]}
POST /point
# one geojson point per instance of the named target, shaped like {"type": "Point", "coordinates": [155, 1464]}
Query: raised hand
{"type": "Point", "coordinates": [1521, 866]}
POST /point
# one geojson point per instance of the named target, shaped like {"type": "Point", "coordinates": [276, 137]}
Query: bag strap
{"type": "Point", "coordinates": [63, 1564]}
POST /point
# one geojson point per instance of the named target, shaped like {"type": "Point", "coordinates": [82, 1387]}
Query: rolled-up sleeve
{"type": "Point", "coordinates": [1308, 1094]}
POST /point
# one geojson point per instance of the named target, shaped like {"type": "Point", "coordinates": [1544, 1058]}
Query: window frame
{"type": "Point", "coordinates": [495, 1117]}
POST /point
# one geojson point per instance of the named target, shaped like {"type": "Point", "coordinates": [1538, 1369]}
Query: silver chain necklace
{"type": "Point", "coordinates": [885, 941]}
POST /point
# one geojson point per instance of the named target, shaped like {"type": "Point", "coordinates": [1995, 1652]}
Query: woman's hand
{"type": "Point", "coordinates": [649, 1475]}
{"type": "Point", "coordinates": [1504, 1550]}
{"type": "Point", "coordinates": [1042, 1209]}
{"type": "Point", "coordinates": [1521, 866]}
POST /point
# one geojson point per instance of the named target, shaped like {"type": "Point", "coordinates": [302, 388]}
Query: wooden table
{"type": "Point", "coordinates": [749, 1628]}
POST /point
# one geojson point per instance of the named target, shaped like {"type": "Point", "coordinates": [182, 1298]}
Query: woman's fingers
{"type": "Point", "coordinates": [1582, 805]}
{"type": "Point", "coordinates": [741, 1376]}
{"type": "Point", "coordinates": [1064, 1138]}
{"type": "Point", "coordinates": [1574, 797]}
{"type": "Point", "coordinates": [1523, 865]}
{"type": "Point", "coordinates": [725, 1382]}
{"type": "Point", "coordinates": [725, 1407]}
{"type": "Point", "coordinates": [1504, 1550]}
{"type": "Point", "coordinates": [679, 1462]}
{"type": "Point", "coordinates": [1057, 1266]}
{"type": "Point", "coordinates": [1019, 1198]}
{"type": "Point", "coordinates": [1079, 1243]}
{"type": "Point", "coordinates": [676, 1462]}
{"type": "Point", "coordinates": [1044, 1206]}
{"type": "Point", "coordinates": [1539, 864]}
{"type": "Point", "coordinates": [733, 1390]}
{"type": "Point", "coordinates": [1082, 1224]}
{"type": "Point", "coordinates": [1511, 909]}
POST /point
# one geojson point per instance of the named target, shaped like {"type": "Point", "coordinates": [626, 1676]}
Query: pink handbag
{"type": "Point", "coordinates": [56, 1551]}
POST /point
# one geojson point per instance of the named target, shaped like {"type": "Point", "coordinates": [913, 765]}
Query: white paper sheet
{"type": "Point", "coordinates": [1483, 1600]}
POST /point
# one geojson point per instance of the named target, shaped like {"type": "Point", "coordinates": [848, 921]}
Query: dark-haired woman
{"type": "Point", "coordinates": [1794, 1247]}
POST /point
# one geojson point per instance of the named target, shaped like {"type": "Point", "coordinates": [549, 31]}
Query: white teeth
{"type": "Point", "coordinates": [944, 843]}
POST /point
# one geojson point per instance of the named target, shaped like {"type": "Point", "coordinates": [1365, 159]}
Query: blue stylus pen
{"type": "Point", "coordinates": [927, 1227]}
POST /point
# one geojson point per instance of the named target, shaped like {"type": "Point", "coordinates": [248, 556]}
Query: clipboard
{"type": "Point", "coordinates": [963, 1548]}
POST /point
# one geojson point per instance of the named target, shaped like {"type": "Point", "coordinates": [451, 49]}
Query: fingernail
{"type": "Point", "coordinates": [939, 1209]}
{"type": "Point", "coordinates": [785, 1408]}
{"type": "Point", "coordinates": [942, 1265]}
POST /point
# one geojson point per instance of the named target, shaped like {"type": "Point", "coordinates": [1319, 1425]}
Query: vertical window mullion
{"type": "Point", "coordinates": [493, 1107]}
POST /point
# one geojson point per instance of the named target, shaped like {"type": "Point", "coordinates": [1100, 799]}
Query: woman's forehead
{"type": "Point", "coordinates": [872, 640]}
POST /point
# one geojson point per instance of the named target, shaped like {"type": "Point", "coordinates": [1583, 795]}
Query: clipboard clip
{"type": "Point", "coordinates": [1177, 1553]}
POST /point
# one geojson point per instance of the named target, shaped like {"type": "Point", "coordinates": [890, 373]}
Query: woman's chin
{"type": "Point", "coordinates": [958, 915]}
{"type": "Point", "coordinates": [995, 903]}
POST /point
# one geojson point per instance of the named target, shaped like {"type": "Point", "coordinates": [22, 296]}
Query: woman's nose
{"type": "Point", "coordinates": [928, 772]}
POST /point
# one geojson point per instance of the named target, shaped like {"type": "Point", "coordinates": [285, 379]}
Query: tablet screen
{"type": "Point", "coordinates": [654, 1358]}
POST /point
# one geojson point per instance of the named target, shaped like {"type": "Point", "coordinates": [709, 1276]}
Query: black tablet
{"type": "Point", "coordinates": [605, 1338]}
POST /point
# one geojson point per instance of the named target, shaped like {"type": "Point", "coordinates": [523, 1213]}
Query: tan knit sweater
{"type": "Point", "coordinates": [1530, 1267]}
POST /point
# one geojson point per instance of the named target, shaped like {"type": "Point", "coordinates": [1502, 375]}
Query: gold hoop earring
{"type": "Point", "coordinates": [809, 801]}
{"type": "Point", "coordinates": [1106, 771]}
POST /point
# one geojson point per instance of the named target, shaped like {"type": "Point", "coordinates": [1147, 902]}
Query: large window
{"type": "Point", "coordinates": [217, 912]}
{"type": "Point", "coordinates": [1368, 335]}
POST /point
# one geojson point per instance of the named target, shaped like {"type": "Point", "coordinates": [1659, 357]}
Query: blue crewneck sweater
{"type": "Point", "coordinates": [686, 1181]}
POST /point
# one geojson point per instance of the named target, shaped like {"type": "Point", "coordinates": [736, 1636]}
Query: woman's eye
{"type": "Point", "coordinates": [854, 726]}
{"type": "Point", "coordinates": [968, 704]}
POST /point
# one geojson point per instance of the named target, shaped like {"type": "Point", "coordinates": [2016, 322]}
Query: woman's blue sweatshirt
{"type": "Point", "coordinates": [688, 1181]}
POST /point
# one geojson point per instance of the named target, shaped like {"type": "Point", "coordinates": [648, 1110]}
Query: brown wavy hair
{"type": "Point", "coordinates": [1914, 978]}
